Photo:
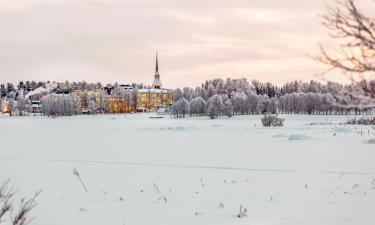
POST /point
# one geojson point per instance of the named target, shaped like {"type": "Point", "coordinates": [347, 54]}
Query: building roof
{"type": "Point", "coordinates": [153, 90]}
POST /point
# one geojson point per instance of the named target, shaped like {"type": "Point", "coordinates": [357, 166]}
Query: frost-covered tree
{"type": "Point", "coordinates": [60, 105]}
{"type": "Point", "coordinates": [102, 104]}
{"type": "Point", "coordinates": [293, 97]}
{"type": "Point", "coordinates": [12, 105]}
{"type": "Point", "coordinates": [93, 106]}
{"type": "Point", "coordinates": [174, 109]}
{"type": "Point", "coordinates": [326, 103]}
{"type": "Point", "coordinates": [184, 107]}
{"type": "Point", "coordinates": [198, 106]}
{"type": "Point", "coordinates": [263, 104]}
{"type": "Point", "coordinates": [252, 101]}
{"type": "Point", "coordinates": [188, 93]}
{"type": "Point", "coordinates": [199, 92]}
{"type": "Point", "coordinates": [134, 98]}
{"type": "Point", "coordinates": [23, 105]}
{"type": "Point", "coordinates": [273, 106]}
{"type": "Point", "coordinates": [181, 108]}
{"type": "Point", "coordinates": [76, 104]}
{"type": "Point", "coordinates": [211, 91]}
{"type": "Point", "coordinates": [177, 95]}
{"type": "Point", "coordinates": [311, 102]}
{"type": "Point", "coordinates": [215, 106]}
{"type": "Point", "coordinates": [239, 102]}
{"type": "Point", "coordinates": [228, 108]}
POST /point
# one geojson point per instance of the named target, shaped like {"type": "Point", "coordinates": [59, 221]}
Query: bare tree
{"type": "Point", "coordinates": [356, 55]}
{"type": "Point", "coordinates": [356, 31]}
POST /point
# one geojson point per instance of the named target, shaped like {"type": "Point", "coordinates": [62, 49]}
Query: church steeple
{"type": "Point", "coordinates": [157, 63]}
{"type": "Point", "coordinates": [157, 83]}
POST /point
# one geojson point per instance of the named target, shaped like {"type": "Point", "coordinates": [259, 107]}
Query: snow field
{"type": "Point", "coordinates": [191, 171]}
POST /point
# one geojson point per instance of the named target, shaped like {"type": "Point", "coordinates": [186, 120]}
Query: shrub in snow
{"type": "Point", "coordinates": [272, 121]}
{"type": "Point", "coordinates": [362, 121]}
{"type": "Point", "coordinates": [371, 141]}
{"type": "Point", "coordinates": [242, 213]}
{"type": "Point", "coordinates": [7, 208]}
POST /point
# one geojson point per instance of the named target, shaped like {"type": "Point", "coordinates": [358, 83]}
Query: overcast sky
{"type": "Point", "coordinates": [116, 40]}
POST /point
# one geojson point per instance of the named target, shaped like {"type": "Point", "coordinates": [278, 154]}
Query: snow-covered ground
{"type": "Point", "coordinates": [142, 171]}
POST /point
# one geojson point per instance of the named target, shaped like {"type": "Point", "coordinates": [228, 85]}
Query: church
{"type": "Point", "coordinates": [149, 98]}
{"type": "Point", "coordinates": [155, 97]}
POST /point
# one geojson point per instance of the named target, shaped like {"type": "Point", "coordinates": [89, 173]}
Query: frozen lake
{"type": "Point", "coordinates": [189, 171]}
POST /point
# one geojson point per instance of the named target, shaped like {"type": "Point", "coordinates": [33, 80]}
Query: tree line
{"type": "Point", "coordinates": [239, 97]}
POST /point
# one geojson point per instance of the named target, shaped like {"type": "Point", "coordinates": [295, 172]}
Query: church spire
{"type": "Point", "coordinates": [157, 63]}
{"type": "Point", "coordinates": [157, 83]}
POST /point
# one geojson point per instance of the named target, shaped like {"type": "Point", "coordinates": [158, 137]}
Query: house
{"type": "Point", "coordinates": [5, 107]}
{"type": "Point", "coordinates": [151, 99]}
{"type": "Point", "coordinates": [35, 106]}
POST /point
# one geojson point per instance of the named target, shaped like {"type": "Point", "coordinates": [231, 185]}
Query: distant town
{"type": "Point", "coordinates": [62, 99]}
{"type": "Point", "coordinates": [213, 98]}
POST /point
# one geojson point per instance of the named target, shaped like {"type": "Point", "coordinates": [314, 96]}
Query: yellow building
{"type": "Point", "coordinates": [148, 99]}
{"type": "Point", "coordinates": [5, 107]}
{"type": "Point", "coordinates": [115, 104]}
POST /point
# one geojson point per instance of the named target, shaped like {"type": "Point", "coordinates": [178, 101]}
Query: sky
{"type": "Point", "coordinates": [116, 40]}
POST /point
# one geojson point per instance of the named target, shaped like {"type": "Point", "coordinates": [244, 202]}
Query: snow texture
{"type": "Point", "coordinates": [299, 137]}
{"type": "Point", "coordinates": [187, 171]}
